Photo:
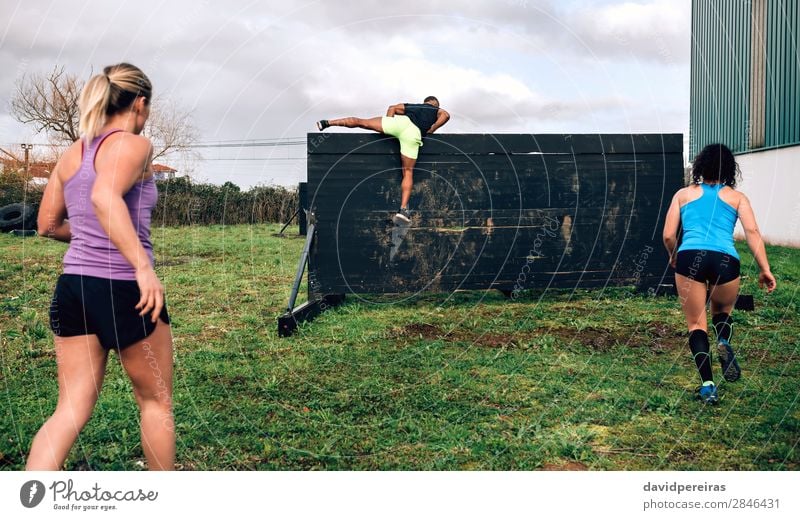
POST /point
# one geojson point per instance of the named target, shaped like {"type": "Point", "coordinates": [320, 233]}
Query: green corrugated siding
{"type": "Point", "coordinates": [720, 74]}
{"type": "Point", "coordinates": [783, 85]}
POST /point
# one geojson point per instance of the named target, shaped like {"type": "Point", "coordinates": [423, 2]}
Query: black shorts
{"type": "Point", "coordinates": [85, 305]}
{"type": "Point", "coordinates": [703, 265]}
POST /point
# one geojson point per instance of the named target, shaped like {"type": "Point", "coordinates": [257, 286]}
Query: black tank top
{"type": "Point", "coordinates": [422, 115]}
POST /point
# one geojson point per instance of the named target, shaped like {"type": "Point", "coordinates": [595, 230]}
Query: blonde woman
{"type": "Point", "coordinates": [108, 296]}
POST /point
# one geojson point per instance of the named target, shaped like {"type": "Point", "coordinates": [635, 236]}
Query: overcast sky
{"type": "Point", "coordinates": [269, 69]}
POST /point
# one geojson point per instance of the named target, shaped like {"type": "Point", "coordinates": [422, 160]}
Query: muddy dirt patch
{"type": "Point", "coordinates": [419, 330]}
{"type": "Point", "coordinates": [571, 465]}
{"type": "Point", "coordinates": [475, 338]}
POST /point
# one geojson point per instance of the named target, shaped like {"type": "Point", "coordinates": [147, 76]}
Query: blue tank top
{"type": "Point", "coordinates": [708, 223]}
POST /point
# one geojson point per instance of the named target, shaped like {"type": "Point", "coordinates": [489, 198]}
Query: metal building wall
{"type": "Point", "coordinates": [782, 121]}
{"type": "Point", "coordinates": [720, 74]}
{"type": "Point", "coordinates": [745, 74]}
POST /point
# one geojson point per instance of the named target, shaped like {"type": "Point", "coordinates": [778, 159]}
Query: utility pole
{"type": "Point", "coordinates": [27, 148]}
{"type": "Point", "coordinates": [14, 157]}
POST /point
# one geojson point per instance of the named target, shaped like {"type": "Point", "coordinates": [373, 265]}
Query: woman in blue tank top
{"type": "Point", "coordinates": [707, 259]}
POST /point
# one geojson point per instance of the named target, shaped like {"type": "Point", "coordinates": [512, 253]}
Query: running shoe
{"type": "Point", "coordinates": [403, 216]}
{"type": "Point", "coordinates": [708, 394]}
{"type": "Point", "coordinates": [730, 367]}
{"type": "Point", "coordinates": [323, 124]}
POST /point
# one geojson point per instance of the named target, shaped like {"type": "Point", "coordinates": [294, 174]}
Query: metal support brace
{"type": "Point", "coordinates": [288, 321]}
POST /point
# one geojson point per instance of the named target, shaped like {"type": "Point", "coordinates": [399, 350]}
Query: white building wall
{"type": "Point", "coordinates": [771, 180]}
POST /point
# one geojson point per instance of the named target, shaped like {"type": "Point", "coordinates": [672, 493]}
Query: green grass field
{"type": "Point", "coordinates": [590, 379]}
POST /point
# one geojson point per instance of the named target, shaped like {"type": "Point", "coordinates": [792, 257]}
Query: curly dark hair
{"type": "Point", "coordinates": [715, 163]}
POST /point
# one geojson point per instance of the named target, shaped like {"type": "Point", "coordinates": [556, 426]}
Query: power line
{"type": "Point", "coordinates": [232, 143]}
{"type": "Point", "coordinates": [293, 138]}
{"type": "Point", "coordinates": [248, 144]}
{"type": "Point", "coordinates": [261, 140]}
{"type": "Point", "coordinates": [255, 159]}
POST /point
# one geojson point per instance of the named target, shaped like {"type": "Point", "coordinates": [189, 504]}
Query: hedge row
{"type": "Point", "coordinates": [12, 190]}
{"type": "Point", "coordinates": [182, 202]}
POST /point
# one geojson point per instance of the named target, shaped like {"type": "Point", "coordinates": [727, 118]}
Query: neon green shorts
{"type": "Point", "coordinates": [406, 132]}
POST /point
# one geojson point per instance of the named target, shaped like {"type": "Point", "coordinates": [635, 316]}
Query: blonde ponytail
{"type": "Point", "coordinates": [109, 93]}
{"type": "Point", "coordinates": [93, 105]}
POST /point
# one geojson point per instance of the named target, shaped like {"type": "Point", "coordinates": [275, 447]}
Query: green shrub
{"type": "Point", "coordinates": [182, 202]}
{"type": "Point", "coordinates": [14, 188]}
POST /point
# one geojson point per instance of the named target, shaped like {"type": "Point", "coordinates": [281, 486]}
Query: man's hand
{"type": "Point", "coordinates": [442, 117]}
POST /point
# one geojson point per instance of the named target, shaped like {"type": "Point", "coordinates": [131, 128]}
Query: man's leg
{"type": "Point", "coordinates": [408, 179]}
{"type": "Point", "coordinates": [373, 123]}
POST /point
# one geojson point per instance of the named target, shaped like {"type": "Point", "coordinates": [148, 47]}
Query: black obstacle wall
{"type": "Point", "coordinates": [302, 201]}
{"type": "Point", "coordinates": [501, 211]}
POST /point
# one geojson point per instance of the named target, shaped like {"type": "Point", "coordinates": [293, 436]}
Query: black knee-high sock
{"type": "Point", "coordinates": [698, 343]}
{"type": "Point", "coordinates": [723, 324]}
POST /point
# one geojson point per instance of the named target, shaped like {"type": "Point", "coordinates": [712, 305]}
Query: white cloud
{"type": "Point", "coordinates": [653, 31]}
{"type": "Point", "coordinates": [268, 69]}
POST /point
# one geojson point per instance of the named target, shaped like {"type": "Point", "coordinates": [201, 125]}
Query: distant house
{"type": "Point", "coordinates": [39, 171]}
{"type": "Point", "coordinates": [162, 172]}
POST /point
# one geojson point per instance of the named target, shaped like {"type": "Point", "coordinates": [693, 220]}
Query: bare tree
{"type": "Point", "coordinates": [50, 103]}
{"type": "Point", "coordinates": [169, 128]}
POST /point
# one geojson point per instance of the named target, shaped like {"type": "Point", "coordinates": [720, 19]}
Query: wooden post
{"type": "Point", "coordinates": [27, 148]}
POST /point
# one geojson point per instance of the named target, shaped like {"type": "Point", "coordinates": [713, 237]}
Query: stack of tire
{"type": "Point", "coordinates": [19, 216]}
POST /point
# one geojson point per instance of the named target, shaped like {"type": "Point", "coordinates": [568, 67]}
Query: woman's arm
{"type": "Point", "coordinates": [125, 162]}
{"type": "Point", "coordinates": [51, 222]}
{"type": "Point", "coordinates": [755, 243]}
{"type": "Point", "coordinates": [442, 117]}
{"type": "Point", "coordinates": [671, 224]}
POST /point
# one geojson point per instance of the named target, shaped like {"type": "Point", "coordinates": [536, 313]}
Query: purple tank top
{"type": "Point", "coordinates": [91, 252]}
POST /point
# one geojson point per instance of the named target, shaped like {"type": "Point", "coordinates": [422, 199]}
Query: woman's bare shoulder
{"type": "Point", "coordinates": [69, 162]}
{"type": "Point", "coordinates": [134, 142]}
{"type": "Point", "coordinates": [124, 146]}
{"type": "Point", "coordinates": [732, 196]}
{"type": "Point", "coordinates": [688, 194]}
